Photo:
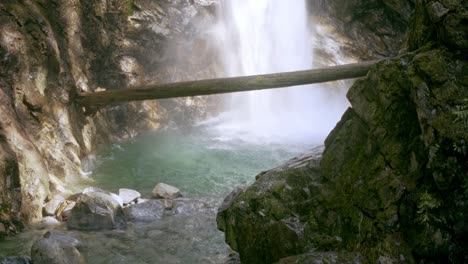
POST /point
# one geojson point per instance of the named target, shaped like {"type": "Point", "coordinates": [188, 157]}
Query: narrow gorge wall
{"type": "Point", "coordinates": [365, 29]}
{"type": "Point", "coordinates": [50, 51]}
{"type": "Point", "coordinates": [391, 186]}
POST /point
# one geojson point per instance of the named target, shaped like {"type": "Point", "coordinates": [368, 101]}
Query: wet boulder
{"type": "Point", "coordinates": [145, 212]}
{"type": "Point", "coordinates": [269, 220]}
{"type": "Point", "coordinates": [166, 191]}
{"type": "Point", "coordinates": [96, 211]}
{"type": "Point", "coordinates": [56, 248]}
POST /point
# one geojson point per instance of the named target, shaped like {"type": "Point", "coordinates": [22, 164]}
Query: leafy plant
{"type": "Point", "coordinates": [427, 203]}
{"type": "Point", "coordinates": [460, 147]}
{"type": "Point", "coordinates": [461, 112]}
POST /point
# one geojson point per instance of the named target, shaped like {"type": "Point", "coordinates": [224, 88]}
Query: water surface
{"type": "Point", "coordinates": [202, 164]}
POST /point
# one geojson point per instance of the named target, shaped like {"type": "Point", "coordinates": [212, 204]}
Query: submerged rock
{"type": "Point", "coordinates": [56, 248]}
{"type": "Point", "coordinates": [49, 221]}
{"type": "Point", "coordinates": [128, 196]}
{"type": "Point", "coordinates": [95, 211]}
{"type": "Point", "coordinates": [16, 260]}
{"type": "Point", "coordinates": [147, 211]}
{"type": "Point", "coordinates": [63, 238]}
{"type": "Point", "coordinates": [50, 251]}
{"type": "Point", "coordinates": [166, 191]}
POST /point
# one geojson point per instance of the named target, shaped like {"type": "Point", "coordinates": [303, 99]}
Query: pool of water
{"type": "Point", "coordinates": [204, 166]}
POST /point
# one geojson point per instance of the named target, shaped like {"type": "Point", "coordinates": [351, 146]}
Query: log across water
{"type": "Point", "coordinates": [225, 85]}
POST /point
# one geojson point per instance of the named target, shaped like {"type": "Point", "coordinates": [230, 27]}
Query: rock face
{"type": "Point", "coordinates": [391, 186]}
{"type": "Point", "coordinates": [96, 211]}
{"type": "Point", "coordinates": [10, 188]}
{"type": "Point", "coordinates": [165, 191]}
{"type": "Point", "coordinates": [50, 51]}
{"type": "Point", "coordinates": [370, 28]}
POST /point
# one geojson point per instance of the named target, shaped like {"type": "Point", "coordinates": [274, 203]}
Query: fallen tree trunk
{"type": "Point", "coordinates": [225, 85]}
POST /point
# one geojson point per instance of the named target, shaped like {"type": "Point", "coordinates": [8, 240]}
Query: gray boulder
{"type": "Point", "coordinates": [96, 211]}
{"type": "Point", "coordinates": [97, 189]}
{"type": "Point", "coordinates": [166, 191]}
{"type": "Point", "coordinates": [146, 212]}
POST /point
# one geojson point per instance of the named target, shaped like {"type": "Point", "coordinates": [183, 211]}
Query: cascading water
{"type": "Point", "coordinates": [255, 36]}
{"type": "Point", "coordinates": [268, 36]}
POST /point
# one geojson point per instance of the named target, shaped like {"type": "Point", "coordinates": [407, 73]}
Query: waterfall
{"type": "Point", "coordinates": [268, 36]}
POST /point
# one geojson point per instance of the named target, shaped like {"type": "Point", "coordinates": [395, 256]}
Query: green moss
{"type": "Point", "coordinates": [129, 5]}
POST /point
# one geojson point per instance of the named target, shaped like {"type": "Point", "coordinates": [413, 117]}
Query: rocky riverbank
{"type": "Point", "coordinates": [105, 227]}
{"type": "Point", "coordinates": [391, 186]}
{"type": "Point", "coordinates": [52, 50]}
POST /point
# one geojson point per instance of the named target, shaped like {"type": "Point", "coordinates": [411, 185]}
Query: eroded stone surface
{"type": "Point", "coordinates": [52, 50]}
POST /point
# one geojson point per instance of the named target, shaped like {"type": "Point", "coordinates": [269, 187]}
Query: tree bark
{"type": "Point", "coordinates": [225, 85]}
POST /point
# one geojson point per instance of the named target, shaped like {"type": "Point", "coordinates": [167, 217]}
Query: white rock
{"type": "Point", "coordinates": [51, 206]}
{"type": "Point", "coordinates": [49, 221]}
{"type": "Point", "coordinates": [166, 191]}
{"type": "Point", "coordinates": [128, 195]}
{"type": "Point", "coordinates": [117, 198]}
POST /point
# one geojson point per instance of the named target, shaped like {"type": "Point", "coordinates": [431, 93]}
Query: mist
{"type": "Point", "coordinates": [259, 37]}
